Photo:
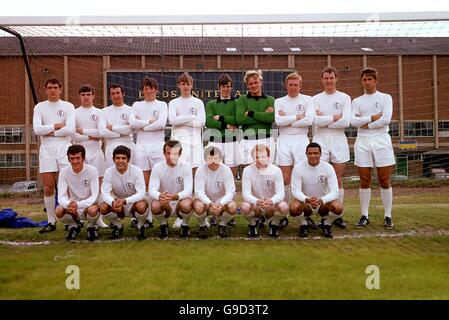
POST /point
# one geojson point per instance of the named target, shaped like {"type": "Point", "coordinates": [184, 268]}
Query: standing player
{"type": "Point", "coordinates": [123, 193]}
{"type": "Point", "coordinates": [371, 113]}
{"type": "Point", "coordinates": [171, 189]}
{"type": "Point", "coordinates": [220, 115]}
{"type": "Point", "coordinates": [187, 116]}
{"type": "Point", "coordinates": [78, 188]}
{"type": "Point", "coordinates": [114, 124]}
{"type": "Point", "coordinates": [87, 133]}
{"type": "Point", "coordinates": [315, 189]}
{"type": "Point", "coordinates": [263, 192]}
{"type": "Point", "coordinates": [255, 113]}
{"type": "Point", "coordinates": [214, 191]}
{"type": "Point", "coordinates": [54, 122]}
{"type": "Point", "coordinates": [293, 114]}
{"type": "Point", "coordinates": [333, 115]}
{"type": "Point", "coordinates": [149, 118]}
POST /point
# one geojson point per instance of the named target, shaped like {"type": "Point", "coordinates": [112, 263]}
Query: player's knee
{"type": "Point", "coordinates": [245, 208]}
{"type": "Point", "coordinates": [49, 190]}
{"type": "Point", "coordinates": [141, 207]}
{"type": "Point", "coordinates": [185, 206]}
{"type": "Point", "coordinates": [92, 210]}
{"type": "Point", "coordinates": [283, 208]}
{"type": "Point", "coordinates": [232, 208]}
{"type": "Point", "coordinates": [199, 207]}
{"type": "Point", "coordinates": [59, 211]}
{"type": "Point", "coordinates": [295, 205]}
{"type": "Point", "coordinates": [105, 208]}
{"type": "Point", "coordinates": [156, 207]}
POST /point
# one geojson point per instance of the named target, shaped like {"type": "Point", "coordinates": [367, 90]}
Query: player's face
{"type": "Point", "coordinates": [261, 158]}
{"type": "Point", "coordinates": [172, 155]}
{"type": "Point", "coordinates": [225, 90]}
{"type": "Point", "coordinates": [213, 162]}
{"type": "Point", "coordinates": [369, 84]}
{"type": "Point", "coordinates": [149, 93]}
{"type": "Point", "coordinates": [313, 156]}
{"type": "Point", "coordinates": [87, 99]}
{"type": "Point", "coordinates": [53, 91]}
{"type": "Point", "coordinates": [329, 81]}
{"type": "Point", "coordinates": [293, 87]}
{"type": "Point", "coordinates": [185, 88]}
{"type": "Point", "coordinates": [254, 85]}
{"type": "Point", "coordinates": [121, 162]}
{"type": "Point", "coordinates": [76, 161]}
{"type": "Point", "coordinates": [116, 96]}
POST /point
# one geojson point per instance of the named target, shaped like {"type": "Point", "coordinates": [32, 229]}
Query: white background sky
{"type": "Point", "coordinates": [210, 7]}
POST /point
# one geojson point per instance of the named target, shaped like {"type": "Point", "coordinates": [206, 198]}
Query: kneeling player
{"type": "Point", "coordinates": [170, 189]}
{"type": "Point", "coordinates": [263, 192]}
{"type": "Point", "coordinates": [123, 193]}
{"type": "Point", "coordinates": [78, 192]}
{"type": "Point", "coordinates": [315, 190]}
{"type": "Point", "coordinates": [214, 191]}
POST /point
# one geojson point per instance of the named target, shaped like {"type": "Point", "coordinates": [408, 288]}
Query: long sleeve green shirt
{"type": "Point", "coordinates": [226, 109]}
{"type": "Point", "coordinates": [258, 121]}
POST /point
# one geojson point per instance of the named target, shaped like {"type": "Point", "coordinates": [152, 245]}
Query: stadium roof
{"type": "Point", "coordinates": [9, 46]}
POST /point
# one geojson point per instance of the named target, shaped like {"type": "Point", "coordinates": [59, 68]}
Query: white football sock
{"type": "Point", "coordinates": [201, 218]}
{"type": "Point", "coordinates": [330, 218]}
{"type": "Point", "coordinates": [225, 218]}
{"type": "Point", "coordinates": [365, 199]}
{"type": "Point", "coordinates": [288, 193]}
{"type": "Point", "coordinates": [387, 200]}
{"type": "Point", "coordinates": [251, 218]}
{"type": "Point", "coordinates": [161, 217]}
{"type": "Point", "coordinates": [68, 220]}
{"type": "Point", "coordinates": [185, 218]}
{"type": "Point", "coordinates": [50, 207]}
{"type": "Point", "coordinates": [113, 219]}
{"type": "Point", "coordinates": [100, 222]}
{"type": "Point", "coordinates": [301, 219]}
{"type": "Point", "coordinates": [92, 221]}
{"type": "Point", "coordinates": [141, 218]}
{"type": "Point", "coordinates": [341, 195]}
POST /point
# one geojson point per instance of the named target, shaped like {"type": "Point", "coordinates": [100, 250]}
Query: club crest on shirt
{"type": "Point", "coordinates": [300, 107]}
{"type": "Point", "coordinates": [322, 179]}
{"type": "Point", "coordinates": [60, 113]}
{"type": "Point", "coordinates": [218, 184]}
{"type": "Point", "coordinates": [192, 110]}
{"type": "Point", "coordinates": [130, 185]}
{"type": "Point", "coordinates": [378, 106]}
{"type": "Point", "coordinates": [155, 114]}
{"type": "Point", "coordinates": [337, 106]}
{"type": "Point", "coordinates": [124, 116]}
{"type": "Point", "coordinates": [86, 183]}
{"type": "Point", "coordinates": [93, 117]}
{"type": "Point", "coordinates": [268, 183]}
{"type": "Point", "coordinates": [179, 180]}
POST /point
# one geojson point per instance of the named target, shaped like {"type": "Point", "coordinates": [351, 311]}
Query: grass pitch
{"type": "Point", "coordinates": [413, 259]}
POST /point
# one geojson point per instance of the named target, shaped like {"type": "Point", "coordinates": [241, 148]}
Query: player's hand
{"type": "Point", "coordinates": [365, 126]}
{"type": "Point", "coordinates": [231, 127]}
{"type": "Point", "coordinates": [319, 113]}
{"type": "Point", "coordinates": [260, 203]}
{"type": "Point", "coordinates": [59, 125]}
{"type": "Point", "coordinates": [269, 109]}
{"type": "Point", "coordinates": [164, 197]}
{"type": "Point", "coordinates": [151, 120]}
{"type": "Point", "coordinates": [376, 117]}
{"type": "Point", "coordinates": [94, 138]}
{"type": "Point", "coordinates": [300, 116]}
{"type": "Point", "coordinates": [281, 113]}
{"type": "Point", "coordinates": [109, 126]}
{"type": "Point", "coordinates": [268, 202]}
{"type": "Point", "coordinates": [137, 117]}
{"type": "Point", "coordinates": [337, 117]}
{"type": "Point", "coordinates": [216, 117]}
{"type": "Point", "coordinates": [79, 130]}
